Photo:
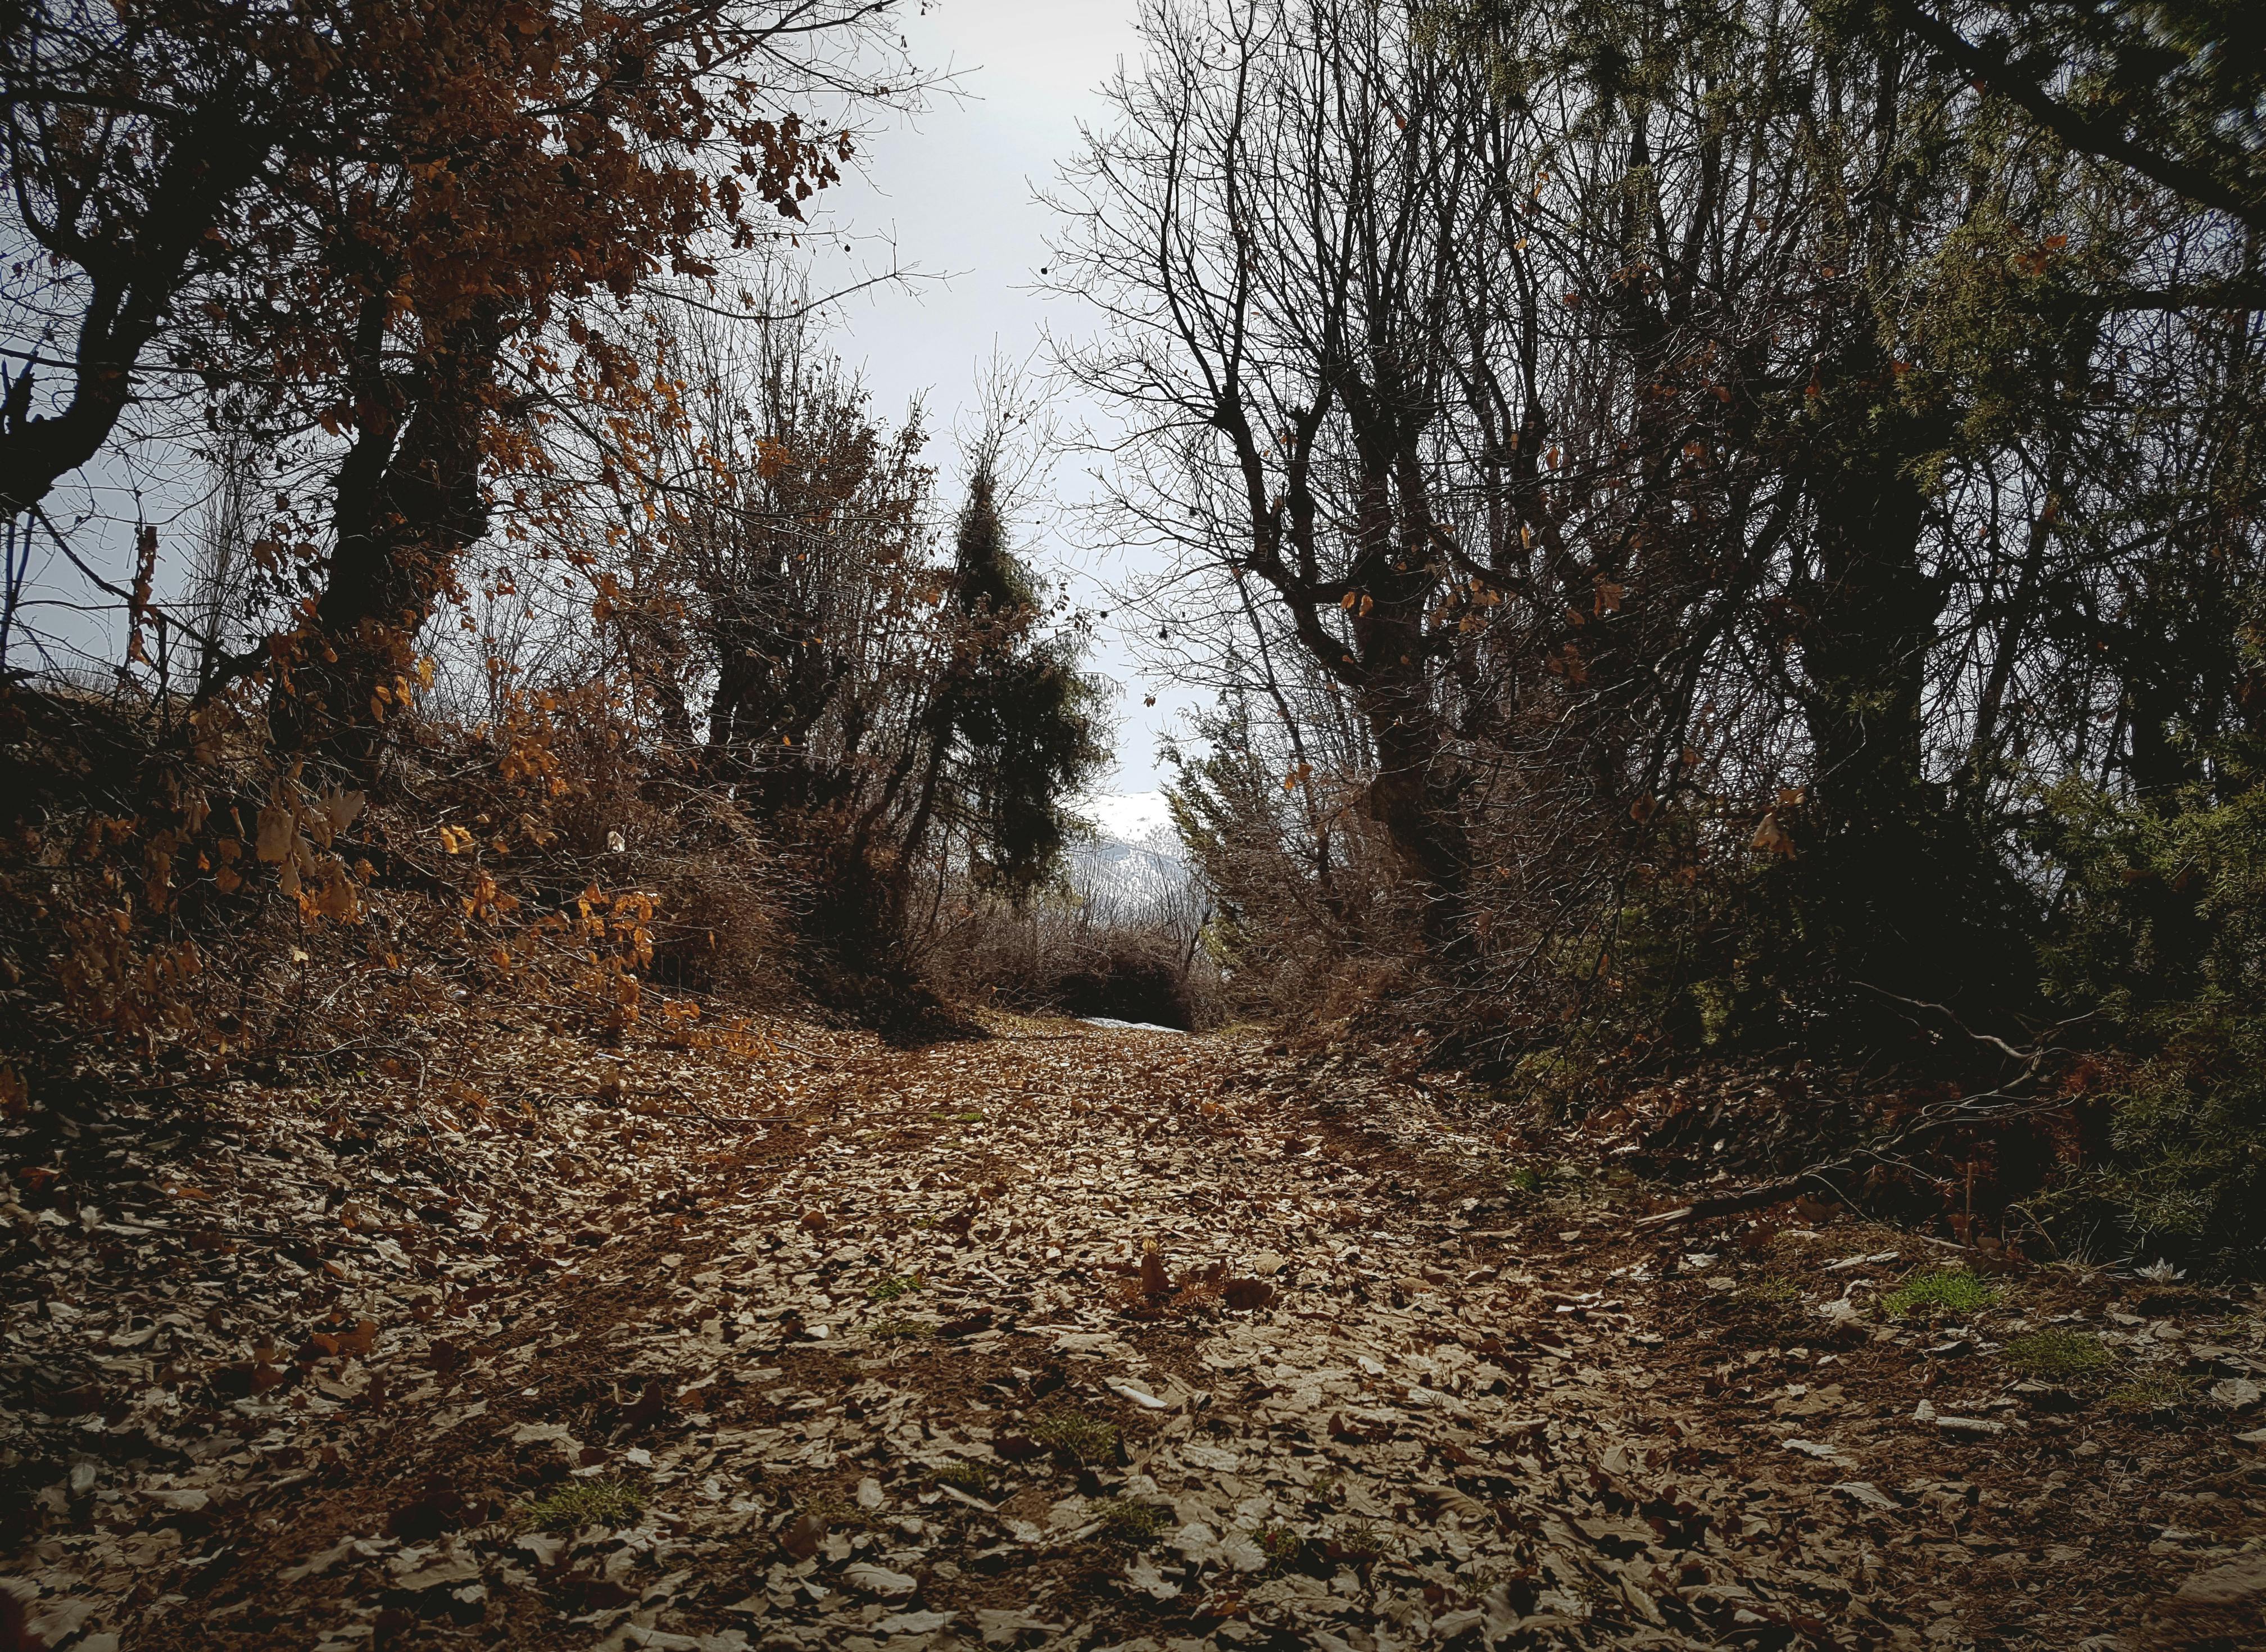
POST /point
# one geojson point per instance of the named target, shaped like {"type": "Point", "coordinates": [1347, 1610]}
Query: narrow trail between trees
{"type": "Point", "coordinates": [1068, 1337]}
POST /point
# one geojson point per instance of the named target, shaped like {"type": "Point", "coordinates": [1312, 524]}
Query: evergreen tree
{"type": "Point", "coordinates": [1017, 721]}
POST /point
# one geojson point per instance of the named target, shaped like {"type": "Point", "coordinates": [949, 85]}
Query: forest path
{"type": "Point", "coordinates": [862, 1352]}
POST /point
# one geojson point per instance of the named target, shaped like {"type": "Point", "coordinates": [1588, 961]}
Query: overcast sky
{"type": "Point", "coordinates": [954, 190]}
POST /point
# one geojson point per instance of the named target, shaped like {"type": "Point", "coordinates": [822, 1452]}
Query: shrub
{"type": "Point", "coordinates": [2163, 936]}
{"type": "Point", "coordinates": [1284, 1548]}
{"type": "Point", "coordinates": [889, 1330]}
{"type": "Point", "coordinates": [1302, 922]}
{"type": "Point", "coordinates": [1130, 979]}
{"type": "Point", "coordinates": [1355, 1543]}
{"type": "Point", "coordinates": [1069, 951]}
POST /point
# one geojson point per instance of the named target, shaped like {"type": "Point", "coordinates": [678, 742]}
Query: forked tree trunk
{"type": "Point", "coordinates": [408, 503]}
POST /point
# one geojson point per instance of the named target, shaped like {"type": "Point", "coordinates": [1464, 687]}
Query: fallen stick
{"type": "Point", "coordinates": [1967, 1110]}
{"type": "Point", "coordinates": [1739, 1203]}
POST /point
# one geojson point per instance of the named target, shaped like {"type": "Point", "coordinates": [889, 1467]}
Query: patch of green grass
{"type": "Point", "coordinates": [1086, 1440]}
{"type": "Point", "coordinates": [966, 1473]}
{"type": "Point", "coordinates": [2155, 1390]}
{"type": "Point", "coordinates": [899, 1285]}
{"type": "Point", "coordinates": [585, 1503]}
{"type": "Point", "coordinates": [1770, 1288]}
{"type": "Point", "coordinates": [836, 1511]}
{"type": "Point", "coordinates": [2056, 1353]}
{"type": "Point", "coordinates": [1128, 1522]}
{"type": "Point", "coordinates": [1536, 1180]}
{"type": "Point", "coordinates": [1949, 1290]}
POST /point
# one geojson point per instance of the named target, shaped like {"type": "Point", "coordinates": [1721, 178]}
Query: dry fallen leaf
{"type": "Point", "coordinates": [801, 1537]}
{"type": "Point", "coordinates": [916, 1405]}
{"type": "Point", "coordinates": [870, 1579]}
{"type": "Point", "coordinates": [1246, 1294]}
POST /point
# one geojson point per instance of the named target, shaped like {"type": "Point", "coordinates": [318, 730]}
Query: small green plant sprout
{"type": "Point", "coordinates": [966, 1473]}
{"type": "Point", "coordinates": [1126, 1521]}
{"type": "Point", "coordinates": [896, 1330]}
{"type": "Point", "coordinates": [1085, 1441]}
{"type": "Point", "coordinates": [2055, 1354]}
{"type": "Point", "coordinates": [593, 1503]}
{"type": "Point", "coordinates": [1284, 1548]}
{"type": "Point", "coordinates": [1949, 1290]}
{"type": "Point", "coordinates": [2152, 1391]}
{"type": "Point", "coordinates": [1354, 1543]}
{"type": "Point", "coordinates": [897, 1285]}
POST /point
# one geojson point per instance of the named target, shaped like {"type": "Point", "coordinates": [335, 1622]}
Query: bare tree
{"type": "Point", "coordinates": [1666, 428]}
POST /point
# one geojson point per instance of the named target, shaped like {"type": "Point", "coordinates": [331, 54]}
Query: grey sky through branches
{"type": "Point", "coordinates": [951, 194]}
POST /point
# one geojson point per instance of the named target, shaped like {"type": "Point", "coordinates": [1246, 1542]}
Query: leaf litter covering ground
{"type": "Point", "coordinates": [1068, 1338]}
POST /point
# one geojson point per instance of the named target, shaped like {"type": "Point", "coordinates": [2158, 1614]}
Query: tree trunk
{"type": "Point", "coordinates": [1873, 878]}
{"type": "Point", "coordinates": [407, 508]}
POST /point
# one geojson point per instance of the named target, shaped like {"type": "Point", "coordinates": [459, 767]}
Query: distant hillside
{"type": "Point", "coordinates": [1127, 882]}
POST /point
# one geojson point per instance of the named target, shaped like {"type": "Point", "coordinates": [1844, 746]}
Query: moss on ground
{"type": "Point", "coordinates": [593, 1503]}
{"type": "Point", "coordinates": [1947, 1290]}
{"type": "Point", "coordinates": [1086, 1440]}
{"type": "Point", "coordinates": [2152, 1391]}
{"type": "Point", "coordinates": [1770, 1290]}
{"type": "Point", "coordinates": [966, 1473]}
{"type": "Point", "coordinates": [2056, 1353]}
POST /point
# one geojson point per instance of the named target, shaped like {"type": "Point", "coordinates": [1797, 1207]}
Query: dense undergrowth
{"type": "Point", "coordinates": [2103, 1100]}
{"type": "Point", "coordinates": [183, 908]}
{"type": "Point", "coordinates": [179, 906]}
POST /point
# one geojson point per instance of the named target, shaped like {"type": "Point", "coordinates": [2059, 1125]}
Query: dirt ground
{"type": "Point", "coordinates": [1065, 1337]}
